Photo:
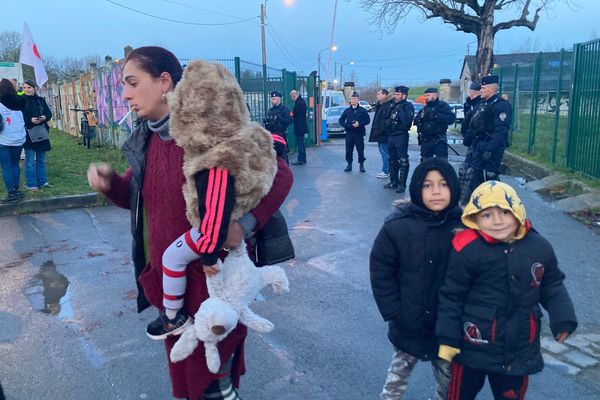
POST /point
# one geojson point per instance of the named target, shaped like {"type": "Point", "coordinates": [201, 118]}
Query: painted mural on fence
{"type": "Point", "coordinates": [109, 91]}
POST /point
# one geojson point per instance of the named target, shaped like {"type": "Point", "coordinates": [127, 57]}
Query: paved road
{"type": "Point", "coordinates": [329, 342]}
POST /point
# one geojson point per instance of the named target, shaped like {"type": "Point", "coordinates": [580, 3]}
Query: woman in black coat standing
{"type": "Point", "coordinates": [36, 113]}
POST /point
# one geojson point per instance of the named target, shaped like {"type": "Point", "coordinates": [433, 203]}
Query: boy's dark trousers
{"type": "Point", "coordinates": [466, 382]}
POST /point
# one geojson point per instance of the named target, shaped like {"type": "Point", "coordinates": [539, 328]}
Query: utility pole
{"type": "Point", "coordinates": [264, 56]}
{"type": "Point", "coordinates": [334, 71]}
{"type": "Point", "coordinates": [262, 29]}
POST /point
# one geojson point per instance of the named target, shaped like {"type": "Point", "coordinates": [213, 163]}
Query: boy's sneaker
{"type": "Point", "coordinates": [382, 175]}
{"type": "Point", "coordinates": [162, 326]}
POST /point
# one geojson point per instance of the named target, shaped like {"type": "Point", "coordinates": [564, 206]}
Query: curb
{"type": "Point", "coordinates": [528, 167]}
{"type": "Point", "coordinates": [546, 178]}
{"type": "Point", "coordinates": [53, 204]}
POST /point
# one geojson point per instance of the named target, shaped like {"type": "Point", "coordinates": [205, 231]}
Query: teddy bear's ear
{"type": "Point", "coordinates": [185, 346]}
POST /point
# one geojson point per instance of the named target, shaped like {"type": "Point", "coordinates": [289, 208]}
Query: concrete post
{"type": "Point", "coordinates": [444, 91]}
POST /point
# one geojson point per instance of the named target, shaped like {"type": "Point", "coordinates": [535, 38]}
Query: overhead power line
{"type": "Point", "coordinates": [281, 47]}
{"type": "Point", "coordinates": [203, 9]}
{"type": "Point", "coordinates": [178, 21]}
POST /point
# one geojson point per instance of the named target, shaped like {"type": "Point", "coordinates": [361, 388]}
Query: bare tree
{"type": "Point", "coordinates": [469, 16]}
{"type": "Point", "coordinates": [10, 46]}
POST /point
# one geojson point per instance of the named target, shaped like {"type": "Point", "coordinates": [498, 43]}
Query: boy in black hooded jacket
{"type": "Point", "coordinates": [407, 267]}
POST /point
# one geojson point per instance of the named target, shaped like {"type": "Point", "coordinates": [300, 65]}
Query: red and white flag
{"type": "Point", "coordinates": [31, 56]}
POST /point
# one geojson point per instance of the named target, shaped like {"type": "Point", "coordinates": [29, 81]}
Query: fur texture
{"type": "Point", "coordinates": [210, 121]}
{"type": "Point", "coordinates": [231, 292]}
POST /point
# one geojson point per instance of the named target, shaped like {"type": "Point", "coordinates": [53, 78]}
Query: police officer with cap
{"type": "Point", "coordinates": [490, 125]}
{"type": "Point", "coordinates": [354, 119]}
{"type": "Point", "coordinates": [278, 118]}
{"type": "Point", "coordinates": [471, 106]}
{"type": "Point", "coordinates": [398, 124]}
{"type": "Point", "coordinates": [432, 123]}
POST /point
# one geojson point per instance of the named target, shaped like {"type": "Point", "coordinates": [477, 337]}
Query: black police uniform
{"type": "Point", "coordinates": [464, 174]}
{"type": "Point", "coordinates": [470, 108]}
{"type": "Point", "coordinates": [432, 123]}
{"type": "Point", "coordinates": [277, 120]}
{"type": "Point", "coordinates": [355, 136]}
{"type": "Point", "coordinates": [398, 124]}
{"type": "Point", "coordinates": [490, 124]}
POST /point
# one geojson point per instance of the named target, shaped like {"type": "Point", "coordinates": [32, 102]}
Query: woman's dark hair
{"type": "Point", "coordinates": [156, 60]}
{"type": "Point", "coordinates": [7, 88]}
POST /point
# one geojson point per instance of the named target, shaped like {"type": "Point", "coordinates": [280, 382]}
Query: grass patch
{"type": "Point", "coordinates": [67, 165]}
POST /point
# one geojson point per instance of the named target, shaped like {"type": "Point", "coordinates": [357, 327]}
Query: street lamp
{"type": "Point", "coordinates": [341, 69]}
{"type": "Point", "coordinates": [332, 48]}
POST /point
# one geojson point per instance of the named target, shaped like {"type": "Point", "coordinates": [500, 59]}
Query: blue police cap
{"type": "Point", "coordinates": [474, 86]}
{"type": "Point", "coordinates": [486, 80]}
{"type": "Point", "coordinates": [401, 89]}
{"type": "Point", "coordinates": [431, 90]}
{"type": "Point", "coordinates": [355, 94]}
{"type": "Point", "coordinates": [276, 94]}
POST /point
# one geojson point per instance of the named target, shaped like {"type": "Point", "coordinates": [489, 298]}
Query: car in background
{"type": "Point", "coordinates": [458, 110]}
{"type": "Point", "coordinates": [365, 104]}
{"type": "Point", "coordinates": [417, 106]}
{"type": "Point", "coordinates": [333, 116]}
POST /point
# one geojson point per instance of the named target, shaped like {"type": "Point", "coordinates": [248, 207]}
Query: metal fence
{"type": "Point", "coordinates": [539, 95]}
{"type": "Point", "coordinates": [101, 89]}
{"type": "Point", "coordinates": [583, 145]}
{"type": "Point", "coordinates": [556, 108]}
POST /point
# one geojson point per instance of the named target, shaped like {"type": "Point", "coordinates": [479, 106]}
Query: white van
{"type": "Point", "coordinates": [332, 98]}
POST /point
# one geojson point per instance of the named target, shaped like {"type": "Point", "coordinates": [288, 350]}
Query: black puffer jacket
{"type": "Point", "coordinates": [489, 303]}
{"type": "Point", "coordinates": [408, 262]}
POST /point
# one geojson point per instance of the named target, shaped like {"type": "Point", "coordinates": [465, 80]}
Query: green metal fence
{"type": "Point", "coordinates": [257, 81]}
{"type": "Point", "coordinates": [556, 107]}
{"type": "Point", "coordinates": [583, 145]}
{"type": "Point", "coordinates": [539, 95]}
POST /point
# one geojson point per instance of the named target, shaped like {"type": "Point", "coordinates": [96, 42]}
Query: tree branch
{"type": "Point", "coordinates": [522, 21]}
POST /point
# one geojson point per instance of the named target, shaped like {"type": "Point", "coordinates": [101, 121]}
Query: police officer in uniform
{"type": "Point", "coordinates": [432, 123]}
{"type": "Point", "coordinates": [490, 125]}
{"type": "Point", "coordinates": [398, 124]}
{"type": "Point", "coordinates": [354, 119]}
{"type": "Point", "coordinates": [278, 118]}
{"type": "Point", "coordinates": [470, 107]}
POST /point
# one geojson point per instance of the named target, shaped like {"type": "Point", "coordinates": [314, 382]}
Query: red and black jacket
{"type": "Point", "coordinates": [490, 301]}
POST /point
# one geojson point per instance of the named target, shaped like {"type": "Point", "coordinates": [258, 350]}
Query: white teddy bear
{"type": "Point", "coordinates": [231, 292]}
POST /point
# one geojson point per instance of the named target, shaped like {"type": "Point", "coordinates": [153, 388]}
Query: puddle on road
{"type": "Point", "coordinates": [48, 291]}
